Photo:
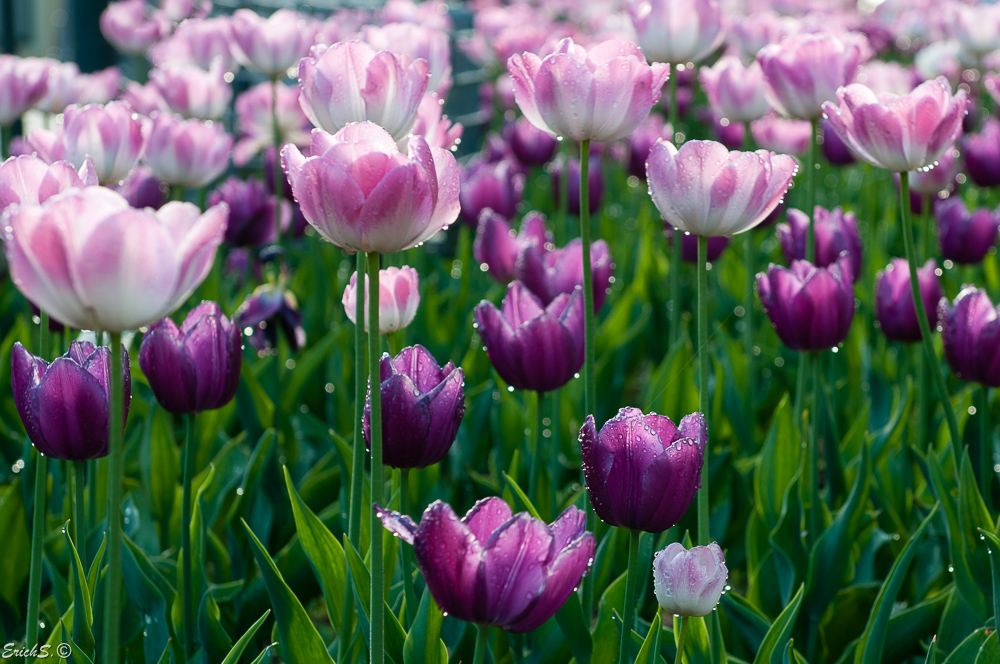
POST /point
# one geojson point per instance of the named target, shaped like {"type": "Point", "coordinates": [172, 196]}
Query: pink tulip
{"type": "Point", "coordinates": [111, 135]}
{"type": "Point", "coordinates": [677, 31]}
{"type": "Point", "coordinates": [66, 85]}
{"type": "Point", "coordinates": [600, 94]}
{"type": "Point", "coordinates": [128, 27]}
{"type": "Point", "coordinates": [805, 70]}
{"type": "Point", "coordinates": [689, 582]}
{"type": "Point", "coordinates": [889, 77]}
{"type": "Point", "coordinates": [187, 153]}
{"type": "Point", "coordinates": [943, 58]}
{"type": "Point", "coordinates": [94, 263]}
{"type": "Point", "coordinates": [735, 92]}
{"type": "Point", "coordinates": [781, 135]}
{"type": "Point", "coordinates": [45, 144]}
{"type": "Point", "coordinates": [144, 99]}
{"type": "Point", "coordinates": [352, 82]}
{"type": "Point", "coordinates": [178, 10]}
{"type": "Point", "coordinates": [27, 180]}
{"type": "Point", "coordinates": [898, 132]}
{"type": "Point", "coordinates": [398, 298]}
{"type": "Point", "coordinates": [975, 27]}
{"type": "Point", "coordinates": [198, 42]}
{"type": "Point", "coordinates": [256, 124]}
{"type": "Point", "coordinates": [432, 13]}
{"type": "Point", "coordinates": [360, 193]}
{"type": "Point", "coordinates": [434, 126]}
{"type": "Point", "coordinates": [193, 92]}
{"type": "Point", "coordinates": [418, 42]}
{"type": "Point", "coordinates": [746, 35]}
{"type": "Point", "coordinates": [271, 46]}
{"type": "Point", "coordinates": [705, 189]}
{"type": "Point", "coordinates": [24, 82]}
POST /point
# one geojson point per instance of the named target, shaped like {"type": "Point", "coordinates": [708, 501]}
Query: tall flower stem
{"type": "Point", "coordinates": [37, 539]}
{"type": "Point", "coordinates": [681, 638]}
{"type": "Point", "coordinates": [79, 513]}
{"type": "Point", "coordinates": [925, 329]}
{"type": "Point", "coordinates": [923, 391]}
{"type": "Point", "coordinates": [631, 579]}
{"type": "Point", "coordinates": [409, 592]}
{"type": "Point", "coordinates": [116, 469]}
{"type": "Point", "coordinates": [482, 631]}
{"type": "Point", "coordinates": [704, 400]}
{"type": "Point", "coordinates": [188, 593]}
{"type": "Point", "coordinates": [748, 297]}
{"type": "Point", "coordinates": [536, 448]}
{"type": "Point", "coordinates": [6, 133]}
{"type": "Point", "coordinates": [811, 192]}
{"type": "Point", "coordinates": [360, 390]}
{"type": "Point", "coordinates": [813, 449]}
{"type": "Point", "coordinates": [985, 447]}
{"type": "Point", "coordinates": [677, 258]}
{"type": "Point", "coordinates": [589, 379]}
{"type": "Point", "coordinates": [563, 228]}
{"type": "Point", "coordinates": [378, 478]}
{"type": "Point", "coordinates": [279, 183]}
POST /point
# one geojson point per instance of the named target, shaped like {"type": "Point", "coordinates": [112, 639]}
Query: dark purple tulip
{"type": "Point", "coordinates": [141, 189]}
{"type": "Point", "coordinates": [64, 405]}
{"type": "Point", "coordinates": [642, 471]}
{"type": "Point", "coordinates": [641, 141]}
{"type": "Point", "coordinates": [494, 568]}
{"type": "Point", "coordinates": [251, 211]}
{"type": "Point", "coordinates": [422, 406]}
{"type": "Point", "coordinates": [498, 186]}
{"type": "Point", "coordinates": [982, 154]}
{"type": "Point", "coordinates": [595, 179]}
{"type": "Point", "coordinates": [689, 246]}
{"type": "Point", "coordinates": [549, 272]}
{"type": "Point", "coordinates": [268, 158]}
{"type": "Point", "coordinates": [264, 312]}
{"type": "Point", "coordinates": [531, 346]}
{"type": "Point", "coordinates": [970, 333]}
{"type": "Point", "coordinates": [730, 134]}
{"type": "Point", "coordinates": [965, 238]}
{"type": "Point", "coordinates": [834, 148]}
{"type": "Point", "coordinates": [894, 310]}
{"type": "Point", "coordinates": [196, 366]}
{"type": "Point", "coordinates": [810, 307]}
{"type": "Point", "coordinates": [836, 232]}
{"type": "Point", "coordinates": [531, 145]}
{"type": "Point", "coordinates": [497, 247]}
{"type": "Point", "coordinates": [940, 178]}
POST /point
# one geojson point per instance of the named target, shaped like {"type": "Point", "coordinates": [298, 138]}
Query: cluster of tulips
{"type": "Point", "coordinates": [125, 199]}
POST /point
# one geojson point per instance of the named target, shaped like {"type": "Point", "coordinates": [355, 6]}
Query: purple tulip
{"type": "Point", "coordinates": [894, 311]}
{"type": "Point", "coordinates": [27, 180]}
{"type": "Point", "coordinates": [497, 247]}
{"type": "Point", "coordinates": [187, 153]}
{"type": "Point", "coordinates": [111, 135]}
{"type": "Point", "coordinates": [595, 181]}
{"type": "Point", "coordinates": [398, 298]}
{"type": "Point", "coordinates": [642, 471]}
{"type": "Point", "coordinates": [689, 246]}
{"type": "Point", "coordinates": [677, 31]}
{"type": "Point", "coordinates": [24, 82]}
{"type": "Point", "coordinates": [836, 232]}
{"type": "Point", "coordinates": [531, 346]}
{"type": "Point", "coordinates": [731, 134]}
{"type": "Point", "coordinates": [422, 407]}
{"type": "Point", "coordinates": [548, 271]}
{"type": "Point", "coordinates": [642, 140]}
{"type": "Point", "coordinates": [735, 91]}
{"type": "Point", "coordinates": [689, 582]}
{"type": "Point", "coordinates": [498, 186]}
{"type": "Point", "coordinates": [142, 190]}
{"type": "Point", "coordinates": [256, 124]}
{"type": "Point", "coordinates": [492, 568]}
{"type": "Point", "coordinates": [266, 311]}
{"type": "Point", "coordinates": [64, 406]}
{"type": "Point", "coordinates": [532, 146]}
{"type": "Point", "coordinates": [251, 211]}
{"type": "Point", "coordinates": [810, 307]}
{"type": "Point", "coordinates": [835, 150]}
{"type": "Point", "coordinates": [981, 153]}
{"type": "Point", "coordinates": [130, 29]}
{"type": "Point", "coordinates": [196, 366]}
{"type": "Point", "coordinates": [272, 45]}
{"type": "Point", "coordinates": [970, 334]}
{"type": "Point", "coordinates": [193, 92]}
{"type": "Point", "coordinates": [965, 237]}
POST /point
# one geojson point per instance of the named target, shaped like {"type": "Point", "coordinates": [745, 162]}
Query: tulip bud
{"type": "Point", "coordinates": [895, 313]}
{"type": "Point", "coordinates": [782, 135]}
{"type": "Point", "coordinates": [595, 180]}
{"type": "Point", "coordinates": [677, 31]}
{"type": "Point", "coordinates": [129, 29]}
{"type": "Point", "coordinates": [549, 271]}
{"type": "Point", "coordinates": [735, 91]}
{"type": "Point", "coordinates": [981, 153]}
{"type": "Point", "coordinates": [193, 92]}
{"type": "Point", "coordinates": [965, 237]}
{"type": "Point", "coordinates": [187, 153]}
{"type": "Point", "coordinates": [689, 582]}
{"type": "Point", "coordinates": [251, 211]}
{"type": "Point", "coordinates": [532, 146]}
{"type": "Point", "coordinates": [836, 232]}
{"type": "Point", "coordinates": [266, 311]}
{"type": "Point", "coordinates": [968, 335]}
{"type": "Point", "coordinates": [255, 122]}
{"type": "Point", "coordinates": [497, 247]}
{"type": "Point", "coordinates": [498, 186]}
{"type": "Point", "coordinates": [141, 189]}
{"type": "Point", "coordinates": [398, 298]}
{"type": "Point", "coordinates": [642, 140]}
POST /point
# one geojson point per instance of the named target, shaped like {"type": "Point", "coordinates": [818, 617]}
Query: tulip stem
{"type": "Point", "coordinates": [37, 539]}
{"type": "Point", "coordinates": [408, 590]}
{"type": "Point", "coordinates": [681, 638]}
{"type": "Point", "coordinates": [116, 469]}
{"type": "Point", "coordinates": [748, 265]}
{"type": "Point", "coordinates": [279, 184]}
{"type": "Point", "coordinates": [813, 449]}
{"type": "Point", "coordinates": [704, 400]}
{"type": "Point", "coordinates": [536, 448]}
{"type": "Point", "coordinates": [360, 390]}
{"type": "Point", "coordinates": [631, 578]}
{"type": "Point", "coordinates": [189, 461]}
{"type": "Point", "coordinates": [811, 192]}
{"type": "Point", "coordinates": [378, 479]}
{"type": "Point", "coordinates": [563, 194]}
{"type": "Point", "coordinates": [79, 513]}
{"type": "Point", "coordinates": [675, 115]}
{"type": "Point", "coordinates": [482, 631]}
{"type": "Point", "coordinates": [925, 329]}
{"type": "Point", "coordinates": [6, 133]}
{"type": "Point", "coordinates": [677, 259]}
{"type": "Point", "coordinates": [985, 448]}
{"type": "Point", "coordinates": [589, 379]}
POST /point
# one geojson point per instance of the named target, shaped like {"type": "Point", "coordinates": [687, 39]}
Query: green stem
{"type": "Point", "coordinates": [922, 398]}
{"type": "Point", "coordinates": [6, 133]}
{"type": "Point", "coordinates": [589, 379]}
{"type": "Point", "coordinates": [279, 181]}
{"type": "Point", "coordinates": [748, 298]}
{"type": "Point", "coordinates": [813, 450]}
{"type": "Point", "coordinates": [360, 390]}
{"type": "Point", "coordinates": [631, 580]}
{"type": "Point", "coordinates": [536, 448]}
{"type": "Point", "coordinates": [37, 539]}
{"type": "Point", "coordinates": [202, 197]}
{"type": "Point", "coordinates": [925, 330]}
{"type": "Point", "coordinates": [681, 638]}
{"type": "Point", "coordinates": [93, 472]}
{"type": "Point", "coordinates": [408, 590]}
{"type": "Point", "coordinates": [676, 259]}
{"type": "Point", "coordinates": [800, 390]}
{"type": "Point", "coordinates": [811, 193]}
{"type": "Point", "coordinates": [481, 633]}
{"type": "Point", "coordinates": [985, 447]}
{"type": "Point", "coordinates": [116, 469]}
{"type": "Point", "coordinates": [704, 400]}
{"type": "Point", "coordinates": [563, 227]}
{"type": "Point", "coordinates": [79, 513]}
{"type": "Point", "coordinates": [188, 594]}
{"type": "Point", "coordinates": [554, 402]}
{"type": "Point", "coordinates": [378, 478]}
{"type": "Point", "coordinates": [675, 112]}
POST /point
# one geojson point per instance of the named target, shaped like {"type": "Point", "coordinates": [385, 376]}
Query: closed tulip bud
{"type": "Point", "coordinates": [781, 135]}
{"type": "Point", "coordinates": [272, 45]}
{"type": "Point", "coordinates": [966, 237]}
{"type": "Point", "coordinates": [251, 211]}
{"type": "Point", "coordinates": [836, 232]}
{"type": "Point", "coordinates": [27, 180]}
{"type": "Point", "coordinates": [548, 271]}
{"type": "Point", "coordinates": [422, 407]}
{"type": "Point", "coordinates": [398, 298]}
{"type": "Point", "coordinates": [128, 27]}
{"type": "Point", "coordinates": [64, 406]}
{"type": "Point", "coordinates": [595, 180]}
{"type": "Point", "coordinates": [689, 246]}
{"type": "Point", "coordinates": [811, 308]}
{"type": "Point", "coordinates": [187, 153]}
{"type": "Point", "coordinates": [111, 135]}
{"type": "Point", "coordinates": [196, 366]}
{"type": "Point", "coordinates": [268, 310]}
{"type": "Point", "coordinates": [255, 122]}
{"type": "Point", "coordinates": [532, 146]}
{"type": "Point", "coordinates": [24, 82]}
{"type": "Point", "coordinates": [491, 567]}
{"type": "Point", "coordinates": [497, 247]}
{"type": "Point", "coordinates": [677, 31]}
{"type": "Point", "coordinates": [642, 140]}
{"type": "Point", "coordinates": [642, 471]}
{"type": "Point", "coordinates": [531, 346]}
{"type": "Point", "coordinates": [981, 153]}
{"type": "Point", "coordinates": [498, 186]}
{"type": "Point", "coordinates": [730, 134]}
{"type": "Point", "coordinates": [193, 92]}
{"type": "Point", "coordinates": [735, 92]}
{"type": "Point", "coordinates": [969, 336]}
{"type": "Point", "coordinates": [142, 190]}
{"type": "Point", "coordinates": [689, 582]}
{"type": "Point", "coordinates": [894, 310]}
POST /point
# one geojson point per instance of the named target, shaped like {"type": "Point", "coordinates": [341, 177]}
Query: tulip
{"type": "Point", "coordinates": [533, 347]}
{"type": "Point", "coordinates": [93, 263]}
{"type": "Point", "coordinates": [705, 189]}
{"type": "Point", "coordinates": [942, 58]}
{"type": "Point", "coordinates": [144, 99]}
{"type": "Point", "coordinates": [981, 153]}
{"type": "Point", "coordinates": [434, 126]}
{"type": "Point", "coordinates": [498, 186]}
{"type": "Point", "coordinates": [187, 153]}
{"type": "Point", "coordinates": [193, 92]}
{"type": "Point", "coordinates": [735, 92]}
{"type": "Point", "coordinates": [196, 366]}
{"type": "Point", "coordinates": [689, 246]}
{"type": "Point", "coordinates": [142, 190]}
{"type": "Point", "coordinates": [357, 207]}
{"type": "Point", "coordinates": [834, 149]}
{"type": "Point", "coordinates": [398, 298]}
{"type": "Point", "coordinates": [803, 71]}
{"type": "Point", "coordinates": [549, 272]}
{"type": "Point", "coordinates": [689, 582]}
{"type": "Point", "coordinates": [111, 135]}
{"type": "Point", "coordinates": [496, 247]}
{"type": "Point", "coordinates": [492, 568]}
{"type": "Point", "coordinates": [64, 406]}
{"type": "Point", "coordinates": [271, 46]}
{"type": "Point", "coordinates": [27, 180]}
{"type": "Point", "coordinates": [642, 140]}
{"type": "Point", "coordinates": [130, 29]}
{"type": "Point", "coordinates": [933, 181]}
{"type": "Point", "coordinates": [781, 135]}
{"type": "Point", "coordinates": [264, 312]}
{"type": "Point", "coordinates": [595, 184]}
{"type": "Point", "coordinates": [600, 94]}
{"type": "Point", "coordinates": [642, 471]}
{"type": "Point", "coordinates": [976, 28]}
{"type": "Point", "coordinates": [532, 146]}
{"type": "Point", "coordinates": [423, 405]}
{"type": "Point", "coordinates": [66, 85]}
{"type": "Point", "coordinates": [749, 34]}
{"type": "Point", "coordinates": [836, 232]}
{"type": "Point", "coordinates": [352, 82]}
{"type": "Point", "coordinates": [256, 123]}
{"type": "Point", "coordinates": [966, 237]}
{"type": "Point", "coordinates": [251, 211]}
{"type": "Point", "coordinates": [898, 133]}
{"type": "Point", "coordinates": [969, 335]}
{"type": "Point", "coordinates": [810, 307]}
{"type": "Point", "coordinates": [891, 77]}
{"type": "Point", "coordinates": [48, 146]}
{"type": "Point", "coordinates": [730, 134]}
{"type": "Point", "coordinates": [419, 42]}
{"type": "Point", "coordinates": [178, 10]}
{"type": "Point", "coordinates": [677, 31]}
{"type": "Point", "coordinates": [198, 42]}
{"type": "Point", "coordinates": [894, 310]}
{"type": "Point", "coordinates": [24, 82]}
{"type": "Point", "coordinates": [432, 13]}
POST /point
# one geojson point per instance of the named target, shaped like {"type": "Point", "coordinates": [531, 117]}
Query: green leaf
{"type": "Point", "coordinates": [870, 645]}
{"type": "Point", "coordinates": [574, 628]}
{"type": "Point", "coordinates": [261, 402]}
{"type": "Point", "coordinates": [607, 635]}
{"type": "Point", "coordinates": [993, 551]}
{"type": "Point", "coordinates": [234, 655]}
{"type": "Point", "coordinates": [160, 466]}
{"type": "Point", "coordinates": [423, 644]}
{"type": "Point", "coordinates": [144, 592]}
{"type": "Point", "coordinates": [77, 654]}
{"type": "Point", "coordinates": [776, 637]}
{"type": "Point", "coordinates": [989, 653]}
{"type": "Point", "coordinates": [521, 496]}
{"type": "Point", "coordinates": [83, 619]}
{"type": "Point", "coordinates": [300, 641]}
{"type": "Point", "coordinates": [651, 645]}
{"type": "Point", "coordinates": [968, 650]}
{"type": "Point", "coordinates": [361, 581]}
{"type": "Point", "coordinates": [750, 622]}
{"type": "Point", "coordinates": [778, 464]}
{"type": "Point", "coordinates": [95, 567]}
{"type": "Point", "coordinates": [213, 637]}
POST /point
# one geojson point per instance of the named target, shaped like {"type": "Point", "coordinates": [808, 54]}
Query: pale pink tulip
{"type": "Point", "coordinates": [255, 122]}
{"type": "Point", "coordinates": [271, 46]}
{"type": "Point", "coordinates": [111, 135]}
{"type": "Point", "coordinates": [418, 42]}
{"type": "Point", "coordinates": [144, 99]}
{"type": "Point", "coordinates": [735, 92]}
{"type": "Point", "coordinates": [677, 31]}
{"type": "Point", "coordinates": [187, 153]}
{"type": "Point", "coordinates": [130, 28]}
{"type": "Point", "coordinates": [198, 42]}
{"type": "Point", "coordinates": [434, 126]}
{"type": "Point", "coordinates": [193, 92]}
{"type": "Point", "coordinates": [67, 85]}
{"type": "Point", "coordinates": [975, 27]}
{"type": "Point", "coordinates": [689, 582]}
{"type": "Point", "coordinates": [24, 82]}
{"type": "Point", "coordinates": [27, 180]}
{"type": "Point", "coordinates": [777, 134]}
{"type": "Point", "coordinates": [398, 298]}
